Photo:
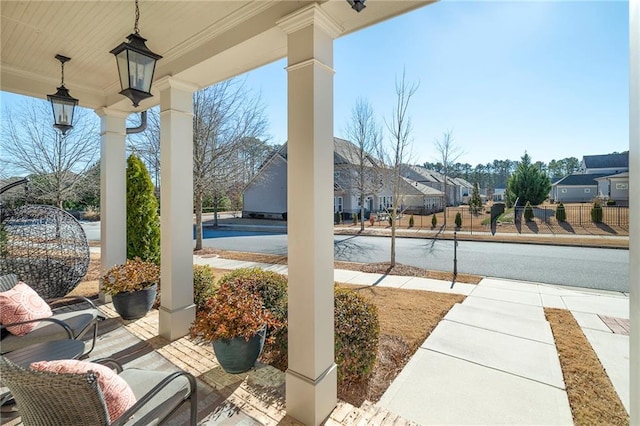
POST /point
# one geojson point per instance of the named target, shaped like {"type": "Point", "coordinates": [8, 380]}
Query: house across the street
{"type": "Point", "coordinates": [265, 196]}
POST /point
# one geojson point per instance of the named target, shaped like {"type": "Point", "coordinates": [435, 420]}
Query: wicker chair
{"type": "Point", "coordinates": [51, 399]}
{"type": "Point", "coordinates": [65, 323]}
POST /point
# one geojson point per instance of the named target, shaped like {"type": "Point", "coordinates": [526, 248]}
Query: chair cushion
{"type": "Point", "coordinates": [79, 321]}
{"type": "Point", "coordinates": [117, 394]}
{"type": "Point", "coordinates": [8, 281]}
{"type": "Point", "coordinates": [22, 303]}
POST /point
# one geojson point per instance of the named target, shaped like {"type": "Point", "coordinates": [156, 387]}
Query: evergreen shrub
{"type": "Point", "coordinates": [357, 333]}
{"type": "Point", "coordinates": [203, 284]}
{"type": "Point", "coordinates": [434, 221]}
{"type": "Point", "coordinates": [143, 220]}
{"type": "Point", "coordinates": [561, 214]}
{"type": "Point", "coordinates": [528, 212]}
{"type": "Point", "coordinates": [596, 212]}
{"type": "Point", "coordinates": [411, 221]}
{"type": "Point", "coordinates": [458, 220]}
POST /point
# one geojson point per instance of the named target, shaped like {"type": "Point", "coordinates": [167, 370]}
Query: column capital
{"type": "Point", "coordinates": [168, 81]}
{"type": "Point", "coordinates": [111, 112]}
{"type": "Point", "coordinates": [307, 16]}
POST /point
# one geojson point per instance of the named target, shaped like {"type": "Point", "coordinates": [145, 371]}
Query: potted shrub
{"type": "Point", "coordinates": [235, 321]}
{"type": "Point", "coordinates": [133, 287]}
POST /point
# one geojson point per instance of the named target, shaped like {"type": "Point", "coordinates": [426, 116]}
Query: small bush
{"type": "Point", "coordinates": [203, 284]}
{"type": "Point", "coordinates": [561, 214]}
{"type": "Point", "coordinates": [337, 217]}
{"type": "Point", "coordinates": [355, 218]}
{"type": "Point", "coordinates": [271, 286]}
{"type": "Point", "coordinates": [357, 332]}
{"type": "Point", "coordinates": [611, 202]}
{"type": "Point", "coordinates": [596, 212]}
{"type": "Point", "coordinates": [272, 289]}
{"type": "Point", "coordinates": [528, 212]}
{"type": "Point", "coordinates": [434, 221]}
{"type": "Point", "coordinates": [458, 220]}
{"type": "Point", "coordinates": [372, 219]}
{"type": "Point", "coordinates": [411, 221]}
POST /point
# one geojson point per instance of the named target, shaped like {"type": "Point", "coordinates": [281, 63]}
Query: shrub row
{"type": "Point", "coordinates": [357, 327]}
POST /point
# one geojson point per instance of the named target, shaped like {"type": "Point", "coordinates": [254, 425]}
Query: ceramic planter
{"type": "Point", "coordinates": [135, 304]}
{"type": "Point", "coordinates": [238, 355]}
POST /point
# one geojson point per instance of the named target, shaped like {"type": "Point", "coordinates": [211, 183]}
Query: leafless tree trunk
{"type": "Point", "coordinates": [226, 117]}
{"type": "Point", "coordinates": [400, 131]}
{"type": "Point", "coordinates": [448, 153]}
{"type": "Point", "coordinates": [364, 133]}
{"type": "Point", "coordinates": [147, 146]}
{"type": "Point", "coordinates": [56, 162]}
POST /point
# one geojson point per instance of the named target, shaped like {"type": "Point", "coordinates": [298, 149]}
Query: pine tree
{"type": "Point", "coordinates": [528, 183]}
{"type": "Point", "coordinates": [143, 221]}
{"type": "Point", "coordinates": [458, 220]}
{"type": "Point", "coordinates": [475, 203]}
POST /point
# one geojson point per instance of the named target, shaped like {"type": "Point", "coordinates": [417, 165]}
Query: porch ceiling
{"type": "Point", "coordinates": [202, 42]}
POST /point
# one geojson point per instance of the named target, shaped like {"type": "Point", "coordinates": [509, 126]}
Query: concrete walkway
{"type": "Point", "coordinates": [492, 359]}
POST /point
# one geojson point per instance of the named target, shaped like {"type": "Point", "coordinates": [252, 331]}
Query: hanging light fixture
{"type": "Point", "coordinates": [136, 65]}
{"type": "Point", "coordinates": [62, 103]}
{"type": "Point", "coordinates": [357, 5]}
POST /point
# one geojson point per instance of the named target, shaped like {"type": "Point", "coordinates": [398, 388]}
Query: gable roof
{"type": "Point", "coordinates": [580, 179]}
{"type": "Point", "coordinates": [424, 189]}
{"type": "Point", "coordinates": [345, 152]}
{"type": "Point", "coordinates": [607, 161]}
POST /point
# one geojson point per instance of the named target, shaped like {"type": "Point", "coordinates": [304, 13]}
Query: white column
{"type": "Point", "coordinates": [113, 189]}
{"type": "Point", "coordinates": [634, 211]}
{"type": "Point", "coordinates": [311, 380]}
{"type": "Point", "coordinates": [177, 310]}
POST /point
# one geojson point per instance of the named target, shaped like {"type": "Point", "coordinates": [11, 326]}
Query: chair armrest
{"type": "Point", "coordinates": [193, 388]}
{"type": "Point", "coordinates": [109, 362]}
{"type": "Point", "coordinates": [78, 298]}
{"type": "Point", "coordinates": [50, 319]}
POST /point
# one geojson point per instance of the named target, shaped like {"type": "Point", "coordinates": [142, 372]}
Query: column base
{"type": "Point", "coordinates": [173, 324]}
{"type": "Point", "coordinates": [311, 401]}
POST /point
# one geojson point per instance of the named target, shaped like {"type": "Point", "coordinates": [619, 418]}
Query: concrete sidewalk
{"type": "Point", "coordinates": [492, 359]}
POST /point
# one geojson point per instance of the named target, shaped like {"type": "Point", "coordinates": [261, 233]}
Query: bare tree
{"type": "Point", "coordinates": [448, 153]}
{"type": "Point", "coordinates": [364, 133]}
{"type": "Point", "coordinates": [146, 144]}
{"type": "Point", "coordinates": [226, 117]}
{"type": "Point", "coordinates": [399, 128]}
{"type": "Point", "coordinates": [56, 162]}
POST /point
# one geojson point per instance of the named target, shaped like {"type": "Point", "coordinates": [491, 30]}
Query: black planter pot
{"type": "Point", "coordinates": [135, 304]}
{"type": "Point", "coordinates": [238, 355]}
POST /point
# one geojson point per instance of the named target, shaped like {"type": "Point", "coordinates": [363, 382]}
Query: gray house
{"type": "Point", "coordinates": [265, 196]}
{"type": "Point", "coordinates": [600, 176]}
{"type": "Point", "coordinates": [458, 189]}
{"type": "Point", "coordinates": [576, 188]}
{"type": "Point", "coordinates": [605, 164]}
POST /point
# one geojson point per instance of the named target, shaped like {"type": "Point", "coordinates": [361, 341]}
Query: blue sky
{"type": "Point", "coordinates": [549, 77]}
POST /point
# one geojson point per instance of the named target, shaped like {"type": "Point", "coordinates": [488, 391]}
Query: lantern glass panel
{"type": "Point", "coordinates": [123, 71]}
{"type": "Point", "coordinates": [141, 69]}
{"type": "Point", "coordinates": [63, 111]}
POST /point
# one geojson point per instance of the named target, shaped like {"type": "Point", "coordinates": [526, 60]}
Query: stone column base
{"type": "Point", "coordinates": [173, 324]}
{"type": "Point", "coordinates": [312, 401]}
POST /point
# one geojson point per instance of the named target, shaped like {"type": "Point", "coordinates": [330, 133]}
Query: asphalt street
{"type": "Point", "coordinates": [595, 268]}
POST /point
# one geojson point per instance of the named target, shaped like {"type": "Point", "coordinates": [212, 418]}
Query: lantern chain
{"type": "Point", "coordinates": [62, 73]}
{"type": "Point", "coordinates": [135, 27]}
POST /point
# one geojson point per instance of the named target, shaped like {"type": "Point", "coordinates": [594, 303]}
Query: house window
{"type": "Point", "coordinates": [622, 186]}
{"type": "Point", "coordinates": [587, 190]}
{"type": "Point", "coordinates": [337, 204]}
{"type": "Point", "coordinates": [563, 190]}
{"type": "Point", "coordinates": [386, 202]}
